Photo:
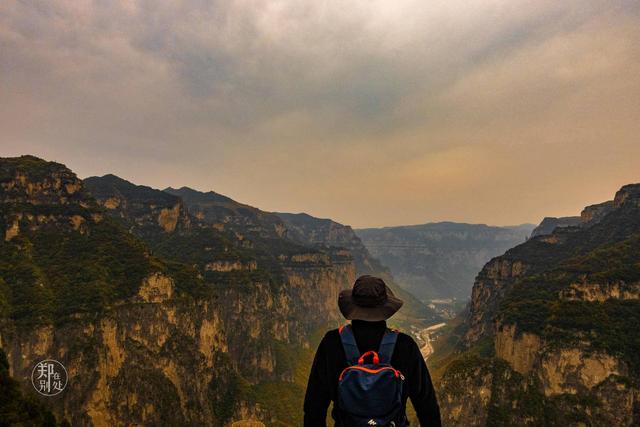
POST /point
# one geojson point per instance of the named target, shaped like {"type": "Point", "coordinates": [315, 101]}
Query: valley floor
{"type": "Point", "coordinates": [426, 336]}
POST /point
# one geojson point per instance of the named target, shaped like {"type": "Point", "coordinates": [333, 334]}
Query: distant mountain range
{"type": "Point", "coordinates": [440, 260]}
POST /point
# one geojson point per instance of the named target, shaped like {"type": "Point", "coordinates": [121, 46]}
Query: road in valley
{"type": "Point", "coordinates": [425, 335]}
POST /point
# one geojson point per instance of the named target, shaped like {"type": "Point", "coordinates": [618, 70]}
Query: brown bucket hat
{"type": "Point", "coordinates": [369, 299]}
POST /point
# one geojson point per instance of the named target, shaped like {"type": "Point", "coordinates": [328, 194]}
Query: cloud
{"type": "Point", "coordinates": [419, 108]}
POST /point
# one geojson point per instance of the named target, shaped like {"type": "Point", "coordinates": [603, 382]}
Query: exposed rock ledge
{"type": "Point", "coordinates": [168, 218]}
{"type": "Point", "coordinates": [156, 288]}
{"type": "Point", "coordinates": [520, 352]}
{"type": "Point", "coordinates": [601, 292]}
{"type": "Point", "coordinates": [561, 371]}
{"type": "Point", "coordinates": [12, 231]}
{"type": "Point", "coordinates": [226, 266]}
{"type": "Point", "coordinates": [565, 370]}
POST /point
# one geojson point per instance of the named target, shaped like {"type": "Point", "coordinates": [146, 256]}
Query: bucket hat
{"type": "Point", "coordinates": [369, 299]}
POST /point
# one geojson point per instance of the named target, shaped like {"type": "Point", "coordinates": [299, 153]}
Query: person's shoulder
{"type": "Point", "coordinates": [403, 335]}
{"type": "Point", "coordinates": [406, 341]}
{"type": "Point", "coordinates": [331, 336]}
{"type": "Point", "coordinates": [332, 333]}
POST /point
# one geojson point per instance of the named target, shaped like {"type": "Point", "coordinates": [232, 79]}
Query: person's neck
{"type": "Point", "coordinates": [369, 324]}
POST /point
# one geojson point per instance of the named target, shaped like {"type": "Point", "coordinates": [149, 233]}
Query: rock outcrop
{"type": "Point", "coordinates": [594, 213]}
{"type": "Point", "coordinates": [138, 206]}
{"type": "Point", "coordinates": [216, 209]}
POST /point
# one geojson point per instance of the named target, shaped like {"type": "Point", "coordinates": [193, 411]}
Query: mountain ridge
{"type": "Point", "coordinates": [125, 290]}
{"type": "Point", "coordinates": [306, 230]}
{"type": "Point", "coordinates": [549, 337]}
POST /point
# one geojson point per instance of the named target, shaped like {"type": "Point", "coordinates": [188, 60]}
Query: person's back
{"type": "Point", "coordinates": [370, 303]}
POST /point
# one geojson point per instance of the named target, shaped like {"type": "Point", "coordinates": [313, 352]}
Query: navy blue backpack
{"type": "Point", "coordinates": [370, 394]}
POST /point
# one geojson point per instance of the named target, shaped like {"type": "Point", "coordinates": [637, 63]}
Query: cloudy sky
{"type": "Point", "coordinates": [369, 112]}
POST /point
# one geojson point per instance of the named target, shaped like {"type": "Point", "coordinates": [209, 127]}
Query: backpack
{"type": "Point", "coordinates": [370, 394]}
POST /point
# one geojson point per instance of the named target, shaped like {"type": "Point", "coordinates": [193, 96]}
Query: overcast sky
{"type": "Point", "coordinates": [368, 112]}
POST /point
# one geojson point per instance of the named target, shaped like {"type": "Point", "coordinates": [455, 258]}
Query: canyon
{"type": "Point", "coordinates": [184, 307]}
{"type": "Point", "coordinates": [440, 260]}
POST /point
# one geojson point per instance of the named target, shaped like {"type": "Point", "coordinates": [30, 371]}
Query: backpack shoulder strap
{"type": "Point", "coordinates": [349, 344]}
{"type": "Point", "coordinates": [387, 344]}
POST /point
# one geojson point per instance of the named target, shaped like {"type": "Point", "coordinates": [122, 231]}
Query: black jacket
{"type": "Point", "coordinates": [330, 360]}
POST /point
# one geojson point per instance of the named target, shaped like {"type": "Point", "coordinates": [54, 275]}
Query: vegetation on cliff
{"type": "Point", "coordinates": [18, 409]}
{"type": "Point", "coordinates": [124, 283]}
{"type": "Point", "coordinates": [572, 300]}
{"type": "Point", "coordinates": [66, 257]}
{"type": "Point", "coordinates": [208, 228]}
{"type": "Point", "coordinates": [605, 254]}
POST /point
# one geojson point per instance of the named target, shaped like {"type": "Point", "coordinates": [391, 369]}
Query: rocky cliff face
{"type": "Point", "coordinates": [262, 231]}
{"type": "Point", "coordinates": [158, 359]}
{"type": "Point", "coordinates": [27, 202]}
{"type": "Point", "coordinates": [139, 207]}
{"type": "Point", "coordinates": [550, 335]}
{"type": "Point", "coordinates": [223, 211]}
{"type": "Point", "coordinates": [325, 233]}
{"type": "Point", "coordinates": [440, 260]}
{"type": "Point", "coordinates": [159, 317]}
{"type": "Point", "coordinates": [309, 230]}
{"type": "Point", "coordinates": [594, 213]}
